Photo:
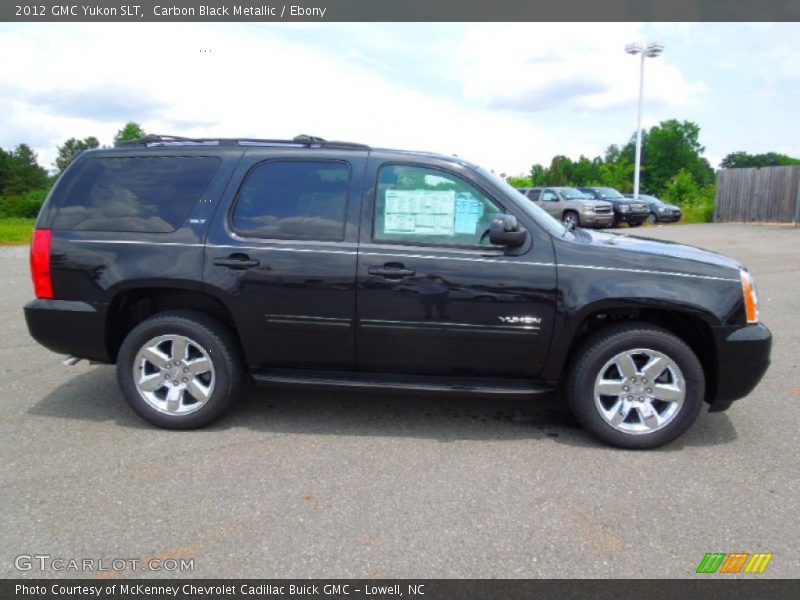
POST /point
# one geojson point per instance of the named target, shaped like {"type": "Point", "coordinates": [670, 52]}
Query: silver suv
{"type": "Point", "coordinates": [571, 206]}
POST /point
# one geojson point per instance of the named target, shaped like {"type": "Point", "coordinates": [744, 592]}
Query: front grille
{"type": "Point", "coordinates": [603, 210]}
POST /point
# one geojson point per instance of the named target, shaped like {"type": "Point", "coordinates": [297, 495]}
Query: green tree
{"type": "Point", "coordinates": [697, 201]}
{"type": "Point", "coordinates": [560, 171]}
{"type": "Point", "coordinates": [70, 150]}
{"type": "Point", "coordinates": [131, 131]}
{"type": "Point", "coordinates": [738, 160]}
{"type": "Point", "coordinates": [538, 175]}
{"type": "Point", "coordinates": [617, 174]}
{"type": "Point", "coordinates": [586, 171]}
{"type": "Point", "coordinates": [5, 168]}
{"type": "Point", "coordinates": [519, 181]}
{"type": "Point", "coordinates": [22, 173]}
{"type": "Point", "coordinates": [672, 146]}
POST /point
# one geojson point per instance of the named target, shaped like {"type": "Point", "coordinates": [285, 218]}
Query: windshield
{"type": "Point", "coordinates": [572, 194]}
{"type": "Point", "coordinates": [605, 192]}
{"type": "Point", "coordinates": [544, 219]}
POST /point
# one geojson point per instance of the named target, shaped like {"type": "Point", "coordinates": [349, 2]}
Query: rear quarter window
{"type": "Point", "coordinates": [304, 200]}
{"type": "Point", "coordinates": [149, 193]}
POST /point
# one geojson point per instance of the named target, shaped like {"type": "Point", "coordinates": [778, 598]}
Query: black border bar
{"type": "Point", "coordinates": [398, 10]}
{"type": "Point", "coordinates": [706, 587]}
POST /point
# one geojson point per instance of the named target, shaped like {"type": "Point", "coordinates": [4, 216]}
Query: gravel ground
{"type": "Point", "coordinates": [312, 484]}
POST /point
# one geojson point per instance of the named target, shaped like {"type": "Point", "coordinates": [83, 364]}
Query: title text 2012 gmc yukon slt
{"type": "Point", "coordinates": [192, 264]}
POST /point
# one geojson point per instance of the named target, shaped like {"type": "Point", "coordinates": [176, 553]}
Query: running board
{"type": "Point", "coordinates": [382, 381]}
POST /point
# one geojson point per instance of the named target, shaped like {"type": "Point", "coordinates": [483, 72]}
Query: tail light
{"type": "Point", "coordinates": [750, 297]}
{"type": "Point", "coordinates": [40, 263]}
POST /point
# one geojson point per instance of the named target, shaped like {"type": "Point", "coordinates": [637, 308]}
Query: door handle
{"type": "Point", "coordinates": [236, 261]}
{"type": "Point", "coordinates": [391, 271]}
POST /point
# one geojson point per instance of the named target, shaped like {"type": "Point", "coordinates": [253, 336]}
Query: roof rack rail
{"type": "Point", "coordinates": [300, 141]}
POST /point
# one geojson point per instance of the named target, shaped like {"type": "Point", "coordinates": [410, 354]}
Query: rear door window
{"type": "Point", "coordinates": [304, 200]}
{"type": "Point", "coordinates": [147, 193]}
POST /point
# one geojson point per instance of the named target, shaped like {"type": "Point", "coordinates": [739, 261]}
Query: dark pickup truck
{"type": "Point", "coordinates": [194, 263]}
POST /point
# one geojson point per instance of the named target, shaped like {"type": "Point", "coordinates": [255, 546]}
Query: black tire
{"type": "Point", "coordinates": [607, 343]}
{"type": "Point", "coordinates": [216, 340]}
{"type": "Point", "coordinates": [635, 223]}
{"type": "Point", "coordinates": [571, 219]}
{"type": "Point", "coordinates": [614, 223]}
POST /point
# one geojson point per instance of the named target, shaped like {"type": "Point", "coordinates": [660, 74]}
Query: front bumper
{"type": "Point", "coordinates": [599, 220]}
{"type": "Point", "coordinates": [668, 217]}
{"type": "Point", "coordinates": [629, 217]}
{"type": "Point", "coordinates": [743, 356]}
{"type": "Point", "coordinates": [69, 327]}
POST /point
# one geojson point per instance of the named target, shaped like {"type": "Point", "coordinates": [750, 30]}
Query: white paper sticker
{"type": "Point", "coordinates": [420, 212]}
{"type": "Point", "coordinates": [469, 211]}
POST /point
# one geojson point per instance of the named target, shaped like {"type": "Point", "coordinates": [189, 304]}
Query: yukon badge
{"type": "Point", "coordinates": [521, 320]}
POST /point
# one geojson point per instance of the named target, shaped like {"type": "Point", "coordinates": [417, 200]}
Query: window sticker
{"type": "Point", "coordinates": [420, 212]}
{"type": "Point", "coordinates": [469, 211]}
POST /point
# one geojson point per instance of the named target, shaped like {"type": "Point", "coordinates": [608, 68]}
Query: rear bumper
{"type": "Point", "coordinates": [743, 356]}
{"type": "Point", "coordinates": [69, 327]}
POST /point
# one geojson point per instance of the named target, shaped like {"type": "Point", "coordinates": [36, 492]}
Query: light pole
{"type": "Point", "coordinates": [651, 51]}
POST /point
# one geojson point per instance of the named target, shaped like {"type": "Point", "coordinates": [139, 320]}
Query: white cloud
{"type": "Point", "coordinates": [537, 66]}
{"type": "Point", "coordinates": [503, 95]}
{"type": "Point", "coordinates": [247, 83]}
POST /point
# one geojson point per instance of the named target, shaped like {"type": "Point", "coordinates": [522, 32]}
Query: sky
{"type": "Point", "coordinates": [505, 96]}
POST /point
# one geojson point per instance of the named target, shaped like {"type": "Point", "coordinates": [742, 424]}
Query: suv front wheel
{"type": "Point", "coordinates": [571, 220]}
{"type": "Point", "coordinates": [179, 370]}
{"type": "Point", "coordinates": [636, 386]}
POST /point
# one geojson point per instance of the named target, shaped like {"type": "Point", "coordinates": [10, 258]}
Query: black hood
{"type": "Point", "coordinates": [671, 250]}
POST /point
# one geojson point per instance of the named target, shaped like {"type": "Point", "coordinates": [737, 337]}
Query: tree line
{"type": "Point", "coordinates": [672, 165]}
{"type": "Point", "coordinates": [24, 183]}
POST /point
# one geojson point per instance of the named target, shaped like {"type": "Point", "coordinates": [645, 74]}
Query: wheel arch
{"type": "Point", "coordinates": [691, 325]}
{"type": "Point", "coordinates": [132, 305]}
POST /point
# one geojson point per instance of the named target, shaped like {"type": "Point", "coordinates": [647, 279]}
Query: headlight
{"type": "Point", "coordinates": [587, 208]}
{"type": "Point", "coordinates": [750, 296]}
{"type": "Point", "coordinates": [662, 209]}
{"type": "Point", "coordinates": [624, 208]}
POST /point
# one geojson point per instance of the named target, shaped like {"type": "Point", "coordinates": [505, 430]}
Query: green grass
{"type": "Point", "coordinates": [697, 213]}
{"type": "Point", "coordinates": [15, 230]}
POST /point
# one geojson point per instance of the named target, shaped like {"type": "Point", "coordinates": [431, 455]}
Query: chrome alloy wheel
{"type": "Point", "coordinates": [173, 374]}
{"type": "Point", "coordinates": [639, 391]}
{"type": "Point", "coordinates": [570, 221]}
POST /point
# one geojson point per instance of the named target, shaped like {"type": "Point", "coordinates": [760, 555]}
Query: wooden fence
{"type": "Point", "coordinates": [768, 194]}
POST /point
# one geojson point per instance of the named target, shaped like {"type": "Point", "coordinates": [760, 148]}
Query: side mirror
{"type": "Point", "coordinates": [505, 231]}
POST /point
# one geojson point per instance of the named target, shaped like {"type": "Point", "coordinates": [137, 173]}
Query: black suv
{"type": "Point", "coordinates": [193, 264]}
{"type": "Point", "coordinates": [632, 212]}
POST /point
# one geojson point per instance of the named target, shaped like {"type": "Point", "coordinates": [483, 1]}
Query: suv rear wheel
{"type": "Point", "coordinates": [179, 370]}
{"type": "Point", "coordinates": [636, 386]}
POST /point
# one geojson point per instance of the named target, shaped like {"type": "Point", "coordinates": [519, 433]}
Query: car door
{"type": "Point", "coordinates": [551, 203]}
{"type": "Point", "coordinates": [434, 297]}
{"type": "Point", "coordinates": [281, 254]}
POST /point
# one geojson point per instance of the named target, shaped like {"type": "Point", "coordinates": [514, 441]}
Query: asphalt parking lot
{"type": "Point", "coordinates": [298, 484]}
